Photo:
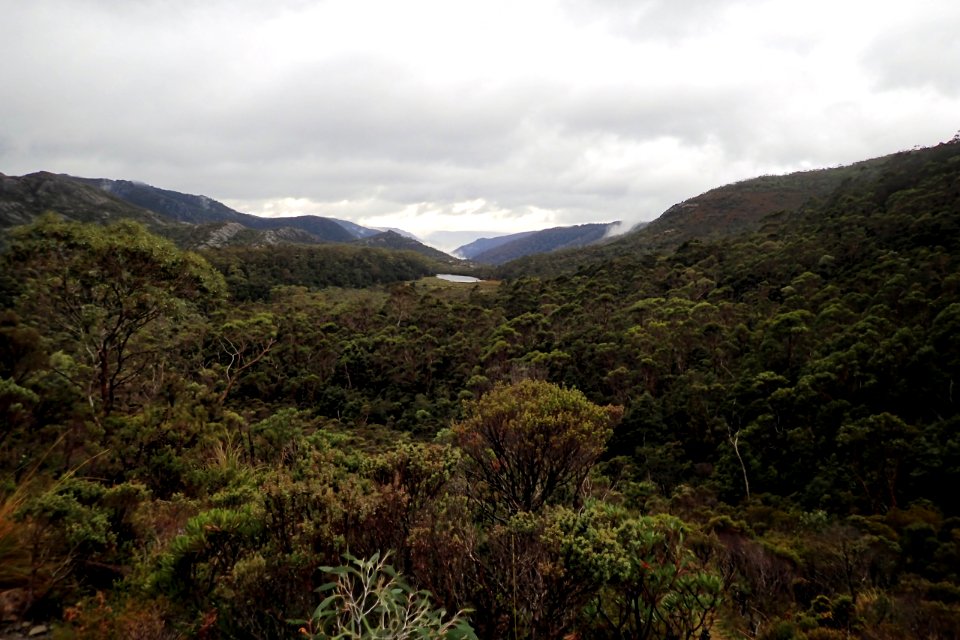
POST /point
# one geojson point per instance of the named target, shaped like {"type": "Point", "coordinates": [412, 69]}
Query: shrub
{"type": "Point", "coordinates": [370, 600]}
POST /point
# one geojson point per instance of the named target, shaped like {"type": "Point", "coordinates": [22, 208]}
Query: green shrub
{"type": "Point", "coordinates": [781, 630]}
{"type": "Point", "coordinates": [208, 549]}
{"type": "Point", "coordinates": [370, 600]}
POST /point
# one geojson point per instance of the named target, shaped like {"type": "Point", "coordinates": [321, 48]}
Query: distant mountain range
{"type": "Point", "coordinates": [502, 249]}
{"type": "Point", "coordinates": [22, 199]}
{"type": "Point", "coordinates": [196, 221]}
{"type": "Point", "coordinates": [193, 221]}
{"type": "Point", "coordinates": [194, 209]}
{"type": "Point", "coordinates": [391, 239]}
{"type": "Point", "coordinates": [479, 246]}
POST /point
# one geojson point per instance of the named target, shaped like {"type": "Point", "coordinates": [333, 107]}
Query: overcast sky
{"type": "Point", "coordinates": [460, 115]}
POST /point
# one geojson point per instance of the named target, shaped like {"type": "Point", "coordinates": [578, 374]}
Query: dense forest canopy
{"type": "Point", "coordinates": [753, 435]}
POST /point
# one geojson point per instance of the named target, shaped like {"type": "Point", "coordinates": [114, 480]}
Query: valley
{"type": "Point", "coordinates": [737, 421]}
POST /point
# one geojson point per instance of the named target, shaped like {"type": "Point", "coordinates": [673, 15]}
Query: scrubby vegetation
{"type": "Point", "coordinates": [748, 437]}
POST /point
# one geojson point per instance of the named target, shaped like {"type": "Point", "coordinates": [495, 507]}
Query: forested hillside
{"type": "Point", "coordinates": [397, 242]}
{"type": "Point", "coordinates": [184, 207]}
{"type": "Point", "coordinates": [191, 221]}
{"type": "Point", "coordinates": [751, 434]}
{"type": "Point", "coordinates": [253, 272]}
{"type": "Point", "coordinates": [25, 198]}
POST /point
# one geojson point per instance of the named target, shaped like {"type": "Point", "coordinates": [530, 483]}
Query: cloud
{"type": "Point", "coordinates": [546, 112]}
{"type": "Point", "coordinates": [919, 53]}
{"type": "Point", "coordinates": [649, 19]}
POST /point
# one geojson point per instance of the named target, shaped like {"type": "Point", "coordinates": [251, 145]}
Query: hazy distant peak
{"type": "Point", "coordinates": [517, 245]}
{"type": "Point", "coordinates": [401, 232]}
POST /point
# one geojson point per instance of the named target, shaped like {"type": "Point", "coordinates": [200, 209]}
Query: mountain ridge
{"type": "Point", "coordinates": [481, 245]}
{"type": "Point", "coordinates": [742, 207]}
{"type": "Point", "coordinates": [198, 209]}
{"type": "Point", "coordinates": [497, 251]}
{"type": "Point", "coordinates": [24, 198]}
{"type": "Point", "coordinates": [390, 239]}
{"type": "Point", "coordinates": [192, 221]}
{"type": "Point", "coordinates": [199, 221]}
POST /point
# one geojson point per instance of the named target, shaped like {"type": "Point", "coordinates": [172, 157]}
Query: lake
{"type": "Point", "coordinates": [449, 277]}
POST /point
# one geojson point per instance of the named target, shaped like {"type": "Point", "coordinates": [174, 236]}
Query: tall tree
{"type": "Point", "coordinates": [107, 297]}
